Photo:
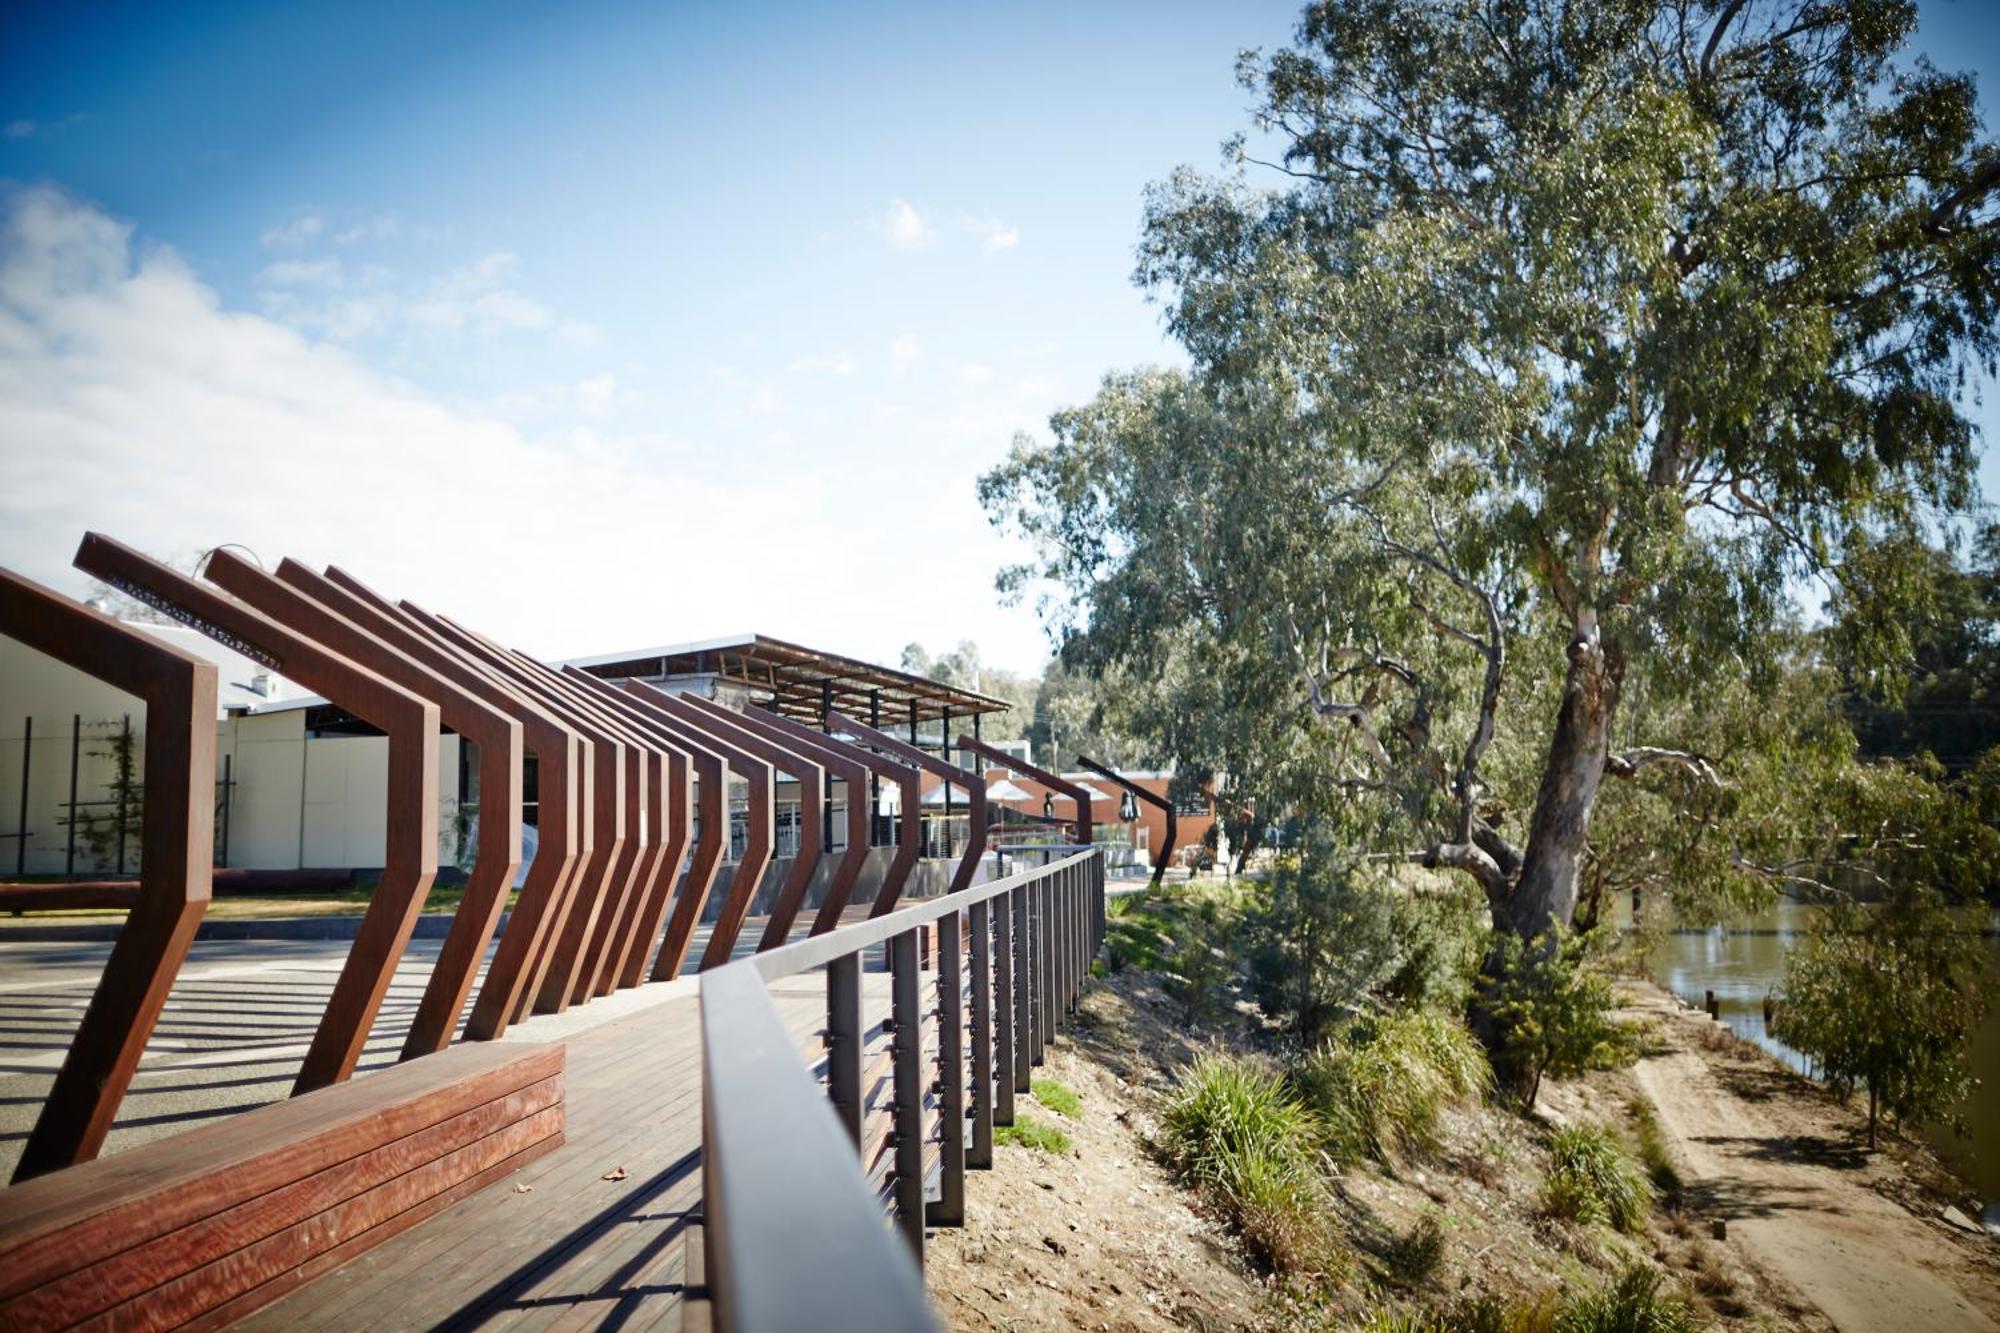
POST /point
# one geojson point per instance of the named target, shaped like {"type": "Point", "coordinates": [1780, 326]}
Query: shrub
{"type": "Point", "coordinates": [1282, 1216]}
{"type": "Point", "coordinates": [1380, 1088]}
{"type": "Point", "coordinates": [1232, 1128]}
{"type": "Point", "coordinates": [1056, 1097]}
{"type": "Point", "coordinates": [1552, 1005]}
{"type": "Point", "coordinates": [1632, 1304]}
{"type": "Point", "coordinates": [1593, 1179]}
{"type": "Point", "coordinates": [1414, 1256]}
{"type": "Point", "coordinates": [1227, 1112]}
{"type": "Point", "coordinates": [1033, 1134]}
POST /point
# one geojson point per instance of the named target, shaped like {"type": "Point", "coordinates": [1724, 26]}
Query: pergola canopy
{"type": "Point", "coordinates": [803, 682]}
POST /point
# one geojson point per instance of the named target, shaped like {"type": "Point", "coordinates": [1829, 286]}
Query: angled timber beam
{"type": "Point", "coordinates": [804, 756]}
{"type": "Point", "coordinates": [603, 952]}
{"type": "Point", "coordinates": [562, 782]}
{"type": "Point", "coordinates": [614, 811]}
{"type": "Point", "coordinates": [411, 723]}
{"type": "Point", "coordinates": [176, 849]}
{"type": "Point", "coordinates": [498, 737]}
{"type": "Point", "coordinates": [1150, 798]}
{"type": "Point", "coordinates": [1077, 795]}
{"type": "Point", "coordinates": [711, 818]}
{"type": "Point", "coordinates": [739, 741]}
{"type": "Point", "coordinates": [908, 846]}
{"type": "Point", "coordinates": [842, 762]}
{"type": "Point", "coordinates": [974, 784]}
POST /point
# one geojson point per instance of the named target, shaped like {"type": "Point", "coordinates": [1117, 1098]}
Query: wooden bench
{"type": "Point", "coordinates": [209, 1225]}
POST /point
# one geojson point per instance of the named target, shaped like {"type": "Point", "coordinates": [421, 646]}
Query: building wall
{"type": "Point", "coordinates": [34, 685]}
{"type": "Point", "coordinates": [295, 803]}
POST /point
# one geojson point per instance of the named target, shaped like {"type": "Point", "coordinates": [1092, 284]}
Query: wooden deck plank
{"type": "Point", "coordinates": [570, 1250]}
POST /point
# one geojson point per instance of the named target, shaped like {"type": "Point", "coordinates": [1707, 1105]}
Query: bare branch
{"type": "Point", "coordinates": [1630, 763]}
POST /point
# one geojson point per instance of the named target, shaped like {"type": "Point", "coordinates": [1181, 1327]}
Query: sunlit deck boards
{"type": "Point", "coordinates": [557, 1245]}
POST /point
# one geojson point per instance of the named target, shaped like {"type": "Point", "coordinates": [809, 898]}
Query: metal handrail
{"type": "Point", "coordinates": [816, 951]}
{"type": "Point", "coordinates": [782, 1182]}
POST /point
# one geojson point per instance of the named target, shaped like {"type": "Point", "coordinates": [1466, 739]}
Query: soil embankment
{"type": "Point", "coordinates": [1782, 1162]}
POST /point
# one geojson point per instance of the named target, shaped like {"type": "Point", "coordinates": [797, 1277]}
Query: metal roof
{"type": "Point", "coordinates": [800, 679]}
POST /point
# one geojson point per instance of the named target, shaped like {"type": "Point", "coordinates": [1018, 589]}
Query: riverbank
{"type": "Point", "coordinates": [1780, 1220]}
{"type": "Point", "coordinates": [1782, 1164]}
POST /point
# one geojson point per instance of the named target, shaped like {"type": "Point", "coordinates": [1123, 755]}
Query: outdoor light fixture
{"type": "Point", "coordinates": [1048, 805]}
{"type": "Point", "coordinates": [1128, 808]}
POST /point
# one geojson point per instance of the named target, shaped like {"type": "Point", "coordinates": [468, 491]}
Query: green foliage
{"type": "Point", "coordinates": [1032, 1134]}
{"type": "Point", "coordinates": [1593, 1179]}
{"type": "Point", "coordinates": [1540, 387]}
{"type": "Point", "coordinates": [1056, 1097]}
{"type": "Point", "coordinates": [1226, 1111]}
{"type": "Point", "coordinates": [1416, 1255]}
{"type": "Point", "coordinates": [1283, 1216]}
{"type": "Point", "coordinates": [1232, 1128]}
{"type": "Point", "coordinates": [1887, 997]}
{"type": "Point", "coordinates": [1199, 968]}
{"type": "Point", "coordinates": [1653, 1154]}
{"type": "Point", "coordinates": [1633, 1304]}
{"type": "Point", "coordinates": [121, 819]}
{"type": "Point", "coordinates": [1551, 1005]}
{"type": "Point", "coordinates": [1379, 1088]}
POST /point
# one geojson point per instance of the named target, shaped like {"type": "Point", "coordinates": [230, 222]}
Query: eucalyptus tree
{"type": "Point", "coordinates": [1568, 350]}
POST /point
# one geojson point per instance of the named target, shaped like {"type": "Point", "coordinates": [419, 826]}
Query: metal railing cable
{"type": "Point", "coordinates": [793, 1232]}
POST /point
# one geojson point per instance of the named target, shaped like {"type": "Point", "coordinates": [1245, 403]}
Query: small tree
{"type": "Point", "coordinates": [1887, 996]}
{"type": "Point", "coordinates": [1551, 1005]}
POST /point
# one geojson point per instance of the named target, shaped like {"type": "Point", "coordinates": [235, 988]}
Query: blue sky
{"type": "Point", "coordinates": [598, 325]}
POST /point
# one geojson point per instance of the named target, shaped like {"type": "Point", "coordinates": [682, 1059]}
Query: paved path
{"type": "Point", "coordinates": [1867, 1262]}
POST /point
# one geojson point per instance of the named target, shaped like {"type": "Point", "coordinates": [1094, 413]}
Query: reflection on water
{"type": "Point", "coordinates": [1744, 963]}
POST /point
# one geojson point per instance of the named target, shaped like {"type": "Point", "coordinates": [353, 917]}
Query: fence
{"type": "Point", "coordinates": [803, 1161]}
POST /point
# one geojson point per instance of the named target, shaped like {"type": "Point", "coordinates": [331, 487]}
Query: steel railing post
{"type": "Point", "coordinates": [979, 1155]}
{"type": "Point", "coordinates": [1006, 1021]}
{"type": "Point", "coordinates": [1026, 1022]}
{"type": "Point", "coordinates": [843, 1041]}
{"type": "Point", "coordinates": [907, 1038]}
{"type": "Point", "coordinates": [949, 1211]}
{"type": "Point", "coordinates": [1045, 963]}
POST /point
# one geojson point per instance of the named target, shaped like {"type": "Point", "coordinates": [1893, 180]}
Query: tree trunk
{"type": "Point", "coordinates": [1872, 1112]}
{"type": "Point", "coordinates": [1559, 830]}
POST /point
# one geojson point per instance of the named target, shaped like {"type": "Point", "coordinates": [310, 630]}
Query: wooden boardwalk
{"type": "Point", "coordinates": [557, 1245]}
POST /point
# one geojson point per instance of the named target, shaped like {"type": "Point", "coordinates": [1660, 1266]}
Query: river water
{"type": "Point", "coordinates": [1745, 962]}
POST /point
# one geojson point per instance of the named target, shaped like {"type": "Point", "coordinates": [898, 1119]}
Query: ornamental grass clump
{"type": "Point", "coordinates": [1379, 1090]}
{"type": "Point", "coordinates": [1593, 1179]}
{"type": "Point", "coordinates": [1235, 1130]}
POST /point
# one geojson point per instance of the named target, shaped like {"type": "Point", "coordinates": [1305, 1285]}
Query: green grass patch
{"type": "Point", "coordinates": [1637, 1301]}
{"type": "Point", "coordinates": [1653, 1154]}
{"type": "Point", "coordinates": [1034, 1135]}
{"type": "Point", "coordinates": [1593, 1179]}
{"type": "Point", "coordinates": [1233, 1129]}
{"type": "Point", "coordinates": [1380, 1088]}
{"type": "Point", "coordinates": [1056, 1097]}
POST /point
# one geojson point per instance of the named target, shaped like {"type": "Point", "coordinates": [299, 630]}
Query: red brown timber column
{"type": "Point", "coordinates": [411, 723]}
{"type": "Point", "coordinates": [176, 849]}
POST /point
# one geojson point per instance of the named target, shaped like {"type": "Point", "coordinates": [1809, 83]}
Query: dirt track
{"type": "Point", "coordinates": [1783, 1165]}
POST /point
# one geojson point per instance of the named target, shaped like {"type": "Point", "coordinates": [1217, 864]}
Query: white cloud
{"type": "Point", "coordinates": [20, 129]}
{"type": "Point", "coordinates": [381, 227]}
{"type": "Point", "coordinates": [134, 402]}
{"type": "Point", "coordinates": [595, 395]}
{"type": "Point", "coordinates": [905, 352]}
{"type": "Point", "coordinates": [303, 273]}
{"type": "Point", "coordinates": [475, 299]}
{"type": "Point", "coordinates": [994, 235]}
{"type": "Point", "coordinates": [298, 231]}
{"type": "Point", "coordinates": [974, 373]}
{"type": "Point", "coordinates": [834, 363]}
{"type": "Point", "coordinates": [906, 228]}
